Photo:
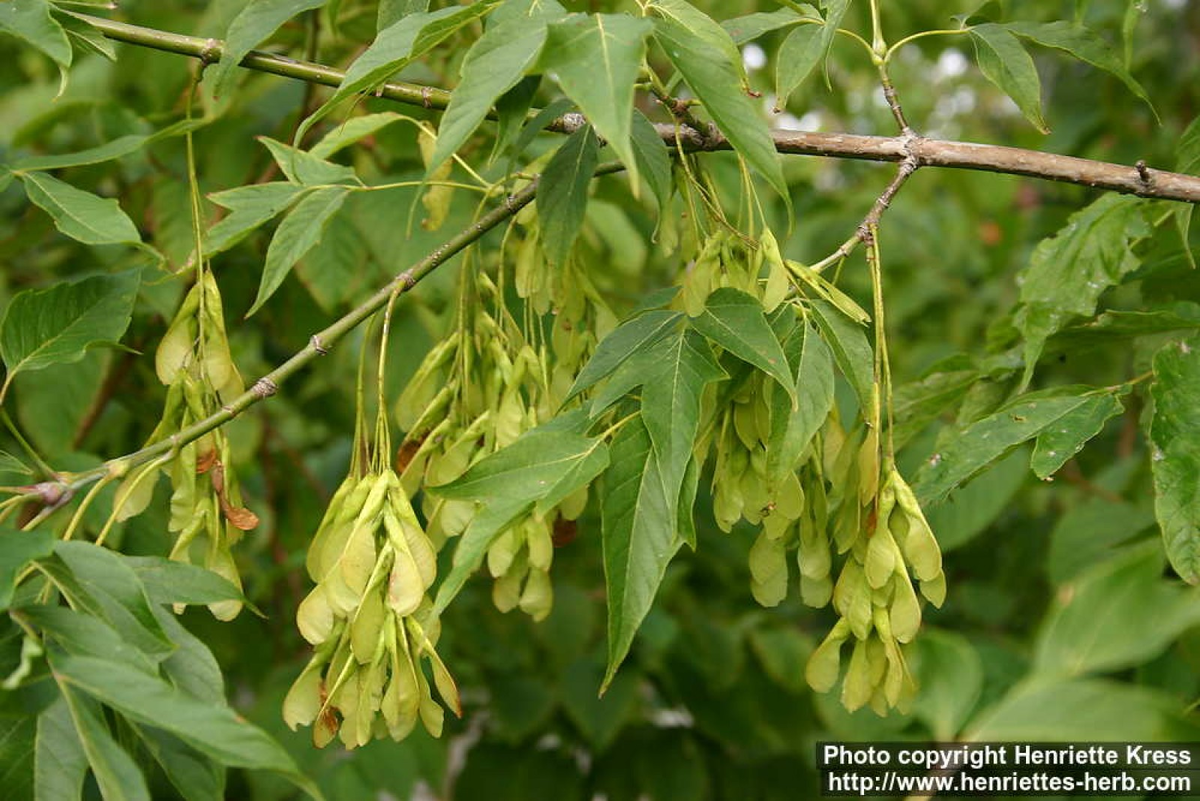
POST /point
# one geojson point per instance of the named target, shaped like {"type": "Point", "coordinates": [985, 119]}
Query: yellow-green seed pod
{"type": "Point", "coordinates": [905, 610]}
{"type": "Point", "coordinates": [405, 588]}
{"type": "Point", "coordinates": [877, 660]}
{"type": "Point", "coordinates": [314, 617]}
{"type": "Point", "coordinates": [506, 591]}
{"type": "Point", "coordinates": [934, 590]}
{"type": "Point", "coordinates": [432, 716]}
{"type": "Point", "coordinates": [824, 665]}
{"type": "Point", "coordinates": [537, 598]}
{"type": "Point", "coordinates": [768, 570]}
{"type": "Point", "coordinates": [789, 498]}
{"type": "Point", "coordinates": [574, 504]}
{"type": "Point", "coordinates": [401, 700]}
{"type": "Point", "coordinates": [221, 562]}
{"type": "Point", "coordinates": [920, 546]}
{"type": "Point", "coordinates": [303, 700]}
{"type": "Point", "coordinates": [746, 426]}
{"type": "Point", "coordinates": [880, 562]}
{"type": "Point", "coordinates": [503, 551]}
{"type": "Point", "coordinates": [868, 468]}
{"type": "Point", "coordinates": [358, 560]}
{"type": "Point", "coordinates": [367, 626]}
{"type": "Point", "coordinates": [176, 351]}
{"type": "Point", "coordinates": [455, 516]}
{"type": "Point", "coordinates": [539, 541]}
{"type": "Point", "coordinates": [777, 527]}
{"type": "Point", "coordinates": [857, 687]}
{"type": "Point", "coordinates": [816, 592]}
{"type": "Point", "coordinates": [778, 283]}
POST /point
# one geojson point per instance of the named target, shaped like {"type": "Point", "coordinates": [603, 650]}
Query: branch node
{"type": "Point", "coordinates": [264, 388]}
{"type": "Point", "coordinates": [211, 52]}
{"type": "Point", "coordinates": [1143, 172]}
{"type": "Point", "coordinates": [228, 409]}
{"type": "Point", "coordinates": [315, 341]}
{"type": "Point", "coordinates": [409, 280]}
{"type": "Point", "coordinates": [426, 94]}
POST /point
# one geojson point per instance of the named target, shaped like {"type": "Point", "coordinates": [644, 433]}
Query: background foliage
{"type": "Point", "coordinates": [1062, 619]}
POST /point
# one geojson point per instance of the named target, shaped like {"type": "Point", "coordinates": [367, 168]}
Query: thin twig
{"type": "Point", "coordinates": [863, 232]}
{"type": "Point", "coordinates": [1145, 182]}
{"type": "Point", "coordinates": [320, 342]}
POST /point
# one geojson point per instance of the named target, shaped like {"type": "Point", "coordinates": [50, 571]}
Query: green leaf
{"type": "Point", "coordinates": [12, 466]}
{"type": "Point", "coordinates": [30, 20]}
{"type": "Point", "coordinates": [747, 28]}
{"type": "Point", "coordinates": [299, 233]}
{"type": "Point", "coordinates": [1187, 161]}
{"type": "Point", "coordinates": [712, 66]}
{"type": "Point", "coordinates": [735, 320]}
{"type": "Point", "coordinates": [60, 763]}
{"type": "Point", "coordinates": [17, 549]}
{"type": "Point", "coordinates": [86, 36]}
{"type": "Point", "coordinates": [835, 10]}
{"type": "Point", "coordinates": [512, 110]}
{"type": "Point", "coordinates": [406, 38]}
{"type": "Point", "coordinates": [170, 582]}
{"type": "Point", "coordinates": [192, 667]}
{"type": "Point", "coordinates": [85, 635]}
{"type": "Point", "coordinates": [1071, 432]}
{"type": "Point", "coordinates": [1068, 272]}
{"type": "Point", "coordinates": [1175, 459]}
{"type": "Point", "coordinates": [84, 217]}
{"type": "Point", "coordinates": [851, 350]}
{"type": "Point", "coordinates": [196, 777]}
{"type": "Point", "coordinates": [686, 517]}
{"type": "Point", "coordinates": [249, 207]}
{"type": "Point", "coordinates": [1084, 45]}
{"type": "Point", "coordinates": [950, 674]}
{"type": "Point", "coordinates": [639, 537]}
{"type": "Point", "coordinates": [600, 720]}
{"type": "Point", "coordinates": [562, 193]}
{"type": "Point", "coordinates": [18, 745]}
{"type": "Point", "coordinates": [981, 443]}
{"type": "Point", "coordinates": [1114, 328]}
{"type": "Point", "coordinates": [490, 520]}
{"type": "Point", "coordinates": [793, 428]}
{"type": "Point", "coordinates": [353, 130]}
{"type": "Point", "coordinates": [596, 59]}
{"type": "Point", "coordinates": [1004, 62]}
{"type": "Point", "coordinates": [59, 324]}
{"type": "Point", "coordinates": [653, 158]}
{"type": "Point", "coordinates": [212, 729]}
{"type": "Point", "coordinates": [544, 465]}
{"type": "Point", "coordinates": [493, 65]}
{"type": "Point", "coordinates": [800, 52]}
{"type": "Point", "coordinates": [632, 336]}
{"type": "Point", "coordinates": [110, 580]}
{"type": "Point", "coordinates": [917, 404]}
{"type": "Point", "coordinates": [683, 366]}
{"type": "Point", "coordinates": [1077, 709]}
{"type": "Point", "coordinates": [257, 20]}
{"type": "Point", "coordinates": [116, 773]}
{"type": "Point", "coordinates": [333, 271]}
{"type": "Point", "coordinates": [978, 503]}
{"type": "Point", "coordinates": [1119, 614]}
{"type": "Point", "coordinates": [122, 146]}
{"type": "Point", "coordinates": [392, 11]}
{"type": "Point", "coordinates": [1089, 533]}
{"type": "Point", "coordinates": [529, 467]}
{"type": "Point", "coordinates": [306, 169]}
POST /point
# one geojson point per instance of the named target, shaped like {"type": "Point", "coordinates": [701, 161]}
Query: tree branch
{"type": "Point", "coordinates": [1135, 180]}
{"type": "Point", "coordinates": [321, 341]}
